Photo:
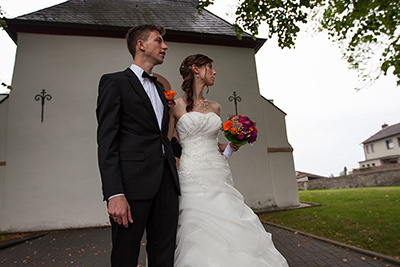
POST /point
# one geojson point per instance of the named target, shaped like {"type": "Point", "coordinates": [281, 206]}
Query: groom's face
{"type": "Point", "coordinates": [155, 48]}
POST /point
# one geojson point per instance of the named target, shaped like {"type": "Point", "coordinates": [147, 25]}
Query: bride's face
{"type": "Point", "coordinates": [208, 74]}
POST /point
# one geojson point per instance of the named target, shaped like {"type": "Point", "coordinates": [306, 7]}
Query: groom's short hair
{"type": "Point", "coordinates": [141, 32]}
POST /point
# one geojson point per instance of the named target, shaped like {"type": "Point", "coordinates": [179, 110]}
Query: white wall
{"type": "Point", "coordinates": [381, 150]}
{"type": "Point", "coordinates": [3, 128]}
{"type": "Point", "coordinates": [281, 163]}
{"type": "Point", "coordinates": [51, 178]}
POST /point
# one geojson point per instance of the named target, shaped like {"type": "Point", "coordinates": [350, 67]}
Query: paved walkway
{"type": "Point", "coordinates": [91, 247]}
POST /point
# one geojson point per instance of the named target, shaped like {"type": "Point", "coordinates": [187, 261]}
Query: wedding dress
{"type": "Point", "coordinates": [216, 228]}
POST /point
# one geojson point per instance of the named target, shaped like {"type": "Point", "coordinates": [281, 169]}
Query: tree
{"type": "Point", "coordinates": [367, 31]}
{"type": "Point", "coordinates": [3, 25]}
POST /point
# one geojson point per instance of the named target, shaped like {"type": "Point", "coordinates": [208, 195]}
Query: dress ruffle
{"type": "Point", "coordinates": [216, 227]}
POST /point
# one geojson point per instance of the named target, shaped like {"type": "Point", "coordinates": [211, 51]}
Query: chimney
{"type": "Point", "coordinates": [384, 126]}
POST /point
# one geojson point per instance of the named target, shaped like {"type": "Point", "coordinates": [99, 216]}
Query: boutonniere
{"type": "Point", "coordinates": [170, 95]}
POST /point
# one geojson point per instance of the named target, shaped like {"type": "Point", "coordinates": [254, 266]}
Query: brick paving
{"type": "Point", "coordinates": [70, 248]}
{"type": "Point", "coordinates": [91, 247]}
{"type": "Point", "coordinates": [302, 251]}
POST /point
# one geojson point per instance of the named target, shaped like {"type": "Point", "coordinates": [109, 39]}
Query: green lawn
{"type": "Point", "coordinates": [368, 218]}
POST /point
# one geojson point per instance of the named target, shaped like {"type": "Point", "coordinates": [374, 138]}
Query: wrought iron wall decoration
{"type": "Point", "coordinates": [236, 99]}
{"type": "Point", "coordinates": [43, 96]}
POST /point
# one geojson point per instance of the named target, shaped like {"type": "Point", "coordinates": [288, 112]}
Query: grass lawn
{"type": "Point", "coordinates": [368, 218]}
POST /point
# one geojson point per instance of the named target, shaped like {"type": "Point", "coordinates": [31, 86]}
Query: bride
{"type": "Point", "coordinates": [215, 227]}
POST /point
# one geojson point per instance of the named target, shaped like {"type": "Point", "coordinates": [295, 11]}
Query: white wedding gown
{"type": "Point", "coordinates": [216, 228]}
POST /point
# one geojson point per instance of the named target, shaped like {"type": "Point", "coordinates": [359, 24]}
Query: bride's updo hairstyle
{"type": "Point", "coordinates": [188, 75]}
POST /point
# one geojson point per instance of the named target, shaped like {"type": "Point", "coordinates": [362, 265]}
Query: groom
{"type": "Point", "coordinates": [136, 161]}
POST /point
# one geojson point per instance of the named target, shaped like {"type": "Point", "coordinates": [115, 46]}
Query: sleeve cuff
{"type": "Point", "coordinates": [116, 195]}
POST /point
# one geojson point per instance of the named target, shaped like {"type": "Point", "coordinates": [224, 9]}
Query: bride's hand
{"type": "Point", "coordinates": [234, 147]}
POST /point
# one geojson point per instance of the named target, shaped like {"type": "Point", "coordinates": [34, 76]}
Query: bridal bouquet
{"type": "Point", "coordinates": [169, 95]}
{"type": "Point", "coordinates": [240, 130]}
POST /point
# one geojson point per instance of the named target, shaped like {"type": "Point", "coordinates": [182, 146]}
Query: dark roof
{"type": "Point", "coordinates": [179, 17]}
{"type": "Point", "coordinates": [384, 133]}
{"type": "Point", "coordinates": [310, 176]}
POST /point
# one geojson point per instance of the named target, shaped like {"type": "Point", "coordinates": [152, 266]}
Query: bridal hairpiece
{"type": "Point", "coordinates": [189, 67]}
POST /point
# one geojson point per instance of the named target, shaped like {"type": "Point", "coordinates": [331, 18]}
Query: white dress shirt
{"type": "Point", "coordinates": [151, 91]}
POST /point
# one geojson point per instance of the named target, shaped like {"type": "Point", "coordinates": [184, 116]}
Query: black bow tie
{"type": "Point", "coordinates": [151, 78]}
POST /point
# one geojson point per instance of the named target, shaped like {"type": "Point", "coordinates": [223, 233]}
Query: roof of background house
{"type": "Point", "coordinates": [101, 17]}
{"type": "Point", "coordinates": [384, 133]}
{"type": "Point", "coordinates": [311, 176]}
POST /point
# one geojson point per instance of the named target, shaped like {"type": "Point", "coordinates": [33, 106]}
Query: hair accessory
{"type": "Point", "coordinates": [189, 67]}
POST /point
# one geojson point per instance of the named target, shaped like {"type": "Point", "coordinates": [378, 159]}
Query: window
{"type": "Point", "coordinates": [389, 144]}
{"type": "Point", "coordinates": [398, 140]}
{"type": "Point", "coordinates": [372, 148]}
{"type": "Point", "coordinates": [367, 148]}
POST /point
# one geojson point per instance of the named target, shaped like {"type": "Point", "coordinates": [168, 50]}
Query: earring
{"type": "Point", "coordinates": [197, 75]}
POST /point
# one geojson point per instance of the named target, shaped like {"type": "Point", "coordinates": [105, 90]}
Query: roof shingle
{"type": "Point", "coordinates": [176, 15]}
{"type": "Point", "coordinates": [384, 133]}
{"type": "Point", "coordinates": [112, 18]}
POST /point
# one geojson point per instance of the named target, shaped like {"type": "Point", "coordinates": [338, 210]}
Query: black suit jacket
{"type": "Point", "coordinates": [129, 139]}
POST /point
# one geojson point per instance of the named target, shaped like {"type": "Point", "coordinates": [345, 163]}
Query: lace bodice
{"type": "Point", "coordinates": [198, 134]}
{"type": "Point", "coordinates": [198, 131]}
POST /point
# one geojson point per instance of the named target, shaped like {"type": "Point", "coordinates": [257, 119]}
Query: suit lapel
{"type": "Point", "coordinates": [137, 86]}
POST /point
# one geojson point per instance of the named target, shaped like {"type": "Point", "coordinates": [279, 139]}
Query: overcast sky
{"type": "Point", "coordinates": [326, 118]}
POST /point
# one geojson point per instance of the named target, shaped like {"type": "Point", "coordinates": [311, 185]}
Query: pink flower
{"type": "Point", "coordinates": [242, 120]}
{"type": "Point", "coordinates": [240, 136]}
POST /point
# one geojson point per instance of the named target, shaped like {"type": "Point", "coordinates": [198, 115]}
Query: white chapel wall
{"type": "Point", "coordinates": [281, 162]}
{"type": "Point", "coordinates": [3, 128]}
{"type": "Point", "coordinates": [52, 179]}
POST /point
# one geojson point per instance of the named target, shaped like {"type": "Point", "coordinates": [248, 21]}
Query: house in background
{"type": "Point", "coordinates": [49, 177]}
{"type": "Point", "coordinates": [305, 176]}
{"type": "Point", "coordinates": [382, 148]}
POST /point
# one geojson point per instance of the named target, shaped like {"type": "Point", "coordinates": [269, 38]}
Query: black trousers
{"type": "Point", "coordinates": [159, 216]}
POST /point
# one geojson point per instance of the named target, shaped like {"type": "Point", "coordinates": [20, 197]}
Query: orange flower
{"type": "Point", "coordinates": [251, 129]}
{"type": "Point", "coordinates": [233, 131]}
{"type": "Point", "coordinates": [227, 125]}
{"type": "Point", "coordinates": [170, 95]}
{"type": "Point", "coordinates": [255, 128]}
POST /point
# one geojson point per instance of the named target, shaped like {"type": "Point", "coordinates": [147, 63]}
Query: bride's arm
{"type": "Point", "coordinates": [222, 147]}
{"type": "Point", "coordinates": [171, 126]}
{"type": "Point", "coordinates": [171, 134]}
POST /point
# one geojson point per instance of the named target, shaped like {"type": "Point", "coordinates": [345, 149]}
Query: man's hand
{"type": "Point", "coordinates": [120, 211]}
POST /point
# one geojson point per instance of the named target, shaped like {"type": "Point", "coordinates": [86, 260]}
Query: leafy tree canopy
{"type": "Point", "coordinates": [367, 31]}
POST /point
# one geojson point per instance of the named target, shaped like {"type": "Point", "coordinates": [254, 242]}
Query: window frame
{"type": "Point", "coordinates": [389, 144]}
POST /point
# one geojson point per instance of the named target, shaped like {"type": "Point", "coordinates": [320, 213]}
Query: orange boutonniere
{"type": "Point", "coordinates": [170, 95]}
